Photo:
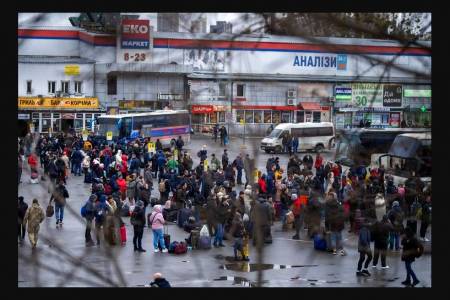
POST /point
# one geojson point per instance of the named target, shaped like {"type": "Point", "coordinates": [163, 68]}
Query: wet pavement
{"type": "Point", "coordinates": [61, 258]}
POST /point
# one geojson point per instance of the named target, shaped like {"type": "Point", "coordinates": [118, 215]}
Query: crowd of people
{"type": "Point", "coordinates": [310, 196]}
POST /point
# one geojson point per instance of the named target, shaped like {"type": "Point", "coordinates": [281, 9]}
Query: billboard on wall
{"type": "Point", "coordinates": [392, 95]}
{"type": "Point", "coordinates": [205, 59]}
{"type": "Point", "coordinates": [134, 42]}
{"type": "Point", "coordinates": [367, 94]}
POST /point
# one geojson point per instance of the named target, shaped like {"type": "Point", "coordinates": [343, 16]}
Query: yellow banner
{"type": "Point", "coordinates": [34, 102]}
{"type": "Point", "coordinates": [72, 70]}
{"type": "Point", "coordinates": [151, 147]}
{"type": "Point", "coordinates": [109, 135]}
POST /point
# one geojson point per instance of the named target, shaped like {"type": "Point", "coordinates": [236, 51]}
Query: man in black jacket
{"type": "Point", "coordinates": [89, 216]}
{"type": "Point", "coordinates": [380, 235]}
{"type": "Point", "coordinates": [137, 219]}
{"type": "Point", "coordinates": [22, 209]}
{"type": "Point", "coordinates": [159, 281]}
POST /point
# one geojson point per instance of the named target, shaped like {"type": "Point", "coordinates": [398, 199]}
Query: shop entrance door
{"type": "Point", "coordinates": [67, 122]}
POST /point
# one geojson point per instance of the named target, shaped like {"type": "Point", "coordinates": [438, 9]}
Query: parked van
{"type": "Point", "coordinates": [311, 136]}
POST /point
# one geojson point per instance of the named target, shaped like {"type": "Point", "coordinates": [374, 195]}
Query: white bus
{"type": "Point", "coordinates": [165, 125]}
{"type": "Point", "coordinates": [410, 152]}
{"type": "Point", "coordinates": [317, 136]}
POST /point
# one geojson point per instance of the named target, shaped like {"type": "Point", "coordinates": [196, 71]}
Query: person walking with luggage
{"type": "Point", "coordinates": [33, 217]}
{"type": "Point", "coordinates": [59, 196]}
{"type": "Point", "coordinates": [411, 248]}
{"type": "Point", "coordinates": [159, 281]}
{"type": "Point", "coordinates": [380, 237]}
{"type": "Point", "coordinates": [22, 210]}
{"type": "Point", "coordinates": [364, 249]}
{"type": "Point", "coordinates": [137, 219]}
{"type": "Point", "coordinates": [157, 221]}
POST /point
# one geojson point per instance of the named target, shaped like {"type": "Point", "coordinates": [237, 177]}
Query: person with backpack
{"type": "Point", "coordinates": [59, 196]}
{"type": "Point", "coordinates": [180, 144]}
{"type": "Point", "coordinates": [88, 212]}
{"type": "Point", "coordinates": [99, 217]}
{"type": "Point", "coordinates": [22, 210]}
{"type": "Point", "coordinates": [137, 219]}
{"type": "Point", "coordinates": [157, 221]}
{"type": "Point", "coordinates": [412, 249]}
{"type": "Point", "coordinates": [395, 215]}
{"type": "Point", "coordinates": [33, 217]}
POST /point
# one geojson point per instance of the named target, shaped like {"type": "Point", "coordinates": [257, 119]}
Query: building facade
{"type": "Point", "coordinates": [221, 27]}
{"type": "Point", "coordinates": [245, 83]}
{"type": "Point", "coordinates": [168, 22]}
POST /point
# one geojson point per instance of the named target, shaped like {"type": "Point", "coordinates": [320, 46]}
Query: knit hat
{"type": "Point", "coordinates": [395, 204]}
{"type": "Point", "coordinates": [294, 196]}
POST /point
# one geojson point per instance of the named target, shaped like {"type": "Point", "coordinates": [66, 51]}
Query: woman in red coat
{"type": "Point", "coordinates": [32, 161]}
{"type": "Point", "coordinates": [262, 184]}
{"type": "Point", "coordinates": [124, 169]}
{"type": "Point", "coordinates": [122, 187]}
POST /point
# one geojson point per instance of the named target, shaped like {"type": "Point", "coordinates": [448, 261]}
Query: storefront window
{"type": "Point", "coordinates": [285, 117]}
{"type": "Point", "coordinates": [316, 117]}
{"type": "Point", "coordinates": [197, 118]}
{"type": "Point", "coordinates": [300, 116]}
{"type": "Point", "coordinates": [276, 117]}
{"type": "Point", "coordinates": [249, 116]}
{"type": "Point", "coordinates": [308, 116]}
{"type": "Point", "coordinates": [385, 119]}
{"type": "Point", "coordinates": [221, 116]}
{"type": "Point", "coordinates": [78, 124]}
{"type": "Point", "coordinates": [267, 116]}
{"type": "Point", "coordinates": [56, 125]}
{"type": "Point", "coordinates": [36, 124]}
{"type": "Point", "coordinates": [45, 125]}
{"type": "Point", "coordinates": [239, 116]}
{"type": "Point", "coordinates": [213, 118]}
{"type": "Point", "coordinates": [258, 118]}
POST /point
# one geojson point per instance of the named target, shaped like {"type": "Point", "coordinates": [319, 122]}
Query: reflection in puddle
{"type": "Point", "coordinates": [239, 281]}
{"type": "Point", "coordinates": [247, 267]}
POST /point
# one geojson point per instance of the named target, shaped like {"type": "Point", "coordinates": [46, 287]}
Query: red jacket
{"type": "Point", "coordinates": [301, 200]}
{"type": "Point", "coordinates": [32, 161]}
{"type": "Point", "coordinates": [318, 162]}
{"type": "Point", "coordinates": [124, 168]}
{"type": "Point", "coordinates": [122, 185]}
{"type": "Point", "coordinates": [335, 171]}
{"type": "Point", "coordinates": [263, 185]}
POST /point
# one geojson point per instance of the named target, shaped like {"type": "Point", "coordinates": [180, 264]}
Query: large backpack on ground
{"type": "Point", "coordinates": [177, 248]}
{"type": "Point", "coordinates": [195, 236]}
{"type": "Point", "coordinates": [183, 216]}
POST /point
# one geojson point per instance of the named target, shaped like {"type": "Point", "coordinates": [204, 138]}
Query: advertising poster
{"type": "Point", "coordinates": [392, 95]}
{"type": "Point", "coordinates": [134, 43]}
{"type": "Point", "coordinates": [367, 94]}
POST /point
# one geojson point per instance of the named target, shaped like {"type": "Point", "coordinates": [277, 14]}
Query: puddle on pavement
{"type": "Point", "coordinates": [239, 281]}
{"type": "Point", "coordinates": [247, 267]}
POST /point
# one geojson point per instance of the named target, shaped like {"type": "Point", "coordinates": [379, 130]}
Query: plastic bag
{"type": "Point", "coordinates": [204, 231]}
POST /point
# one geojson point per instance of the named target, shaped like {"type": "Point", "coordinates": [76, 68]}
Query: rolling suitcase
{"type": "Point", "coordinates": [166, 237]}
{"type": "Point", "coordinates": [204, 242]}
{"type": "Point", "coordinates": [123, 235]}
{"type": "Point", "coordinates": [320, 242]}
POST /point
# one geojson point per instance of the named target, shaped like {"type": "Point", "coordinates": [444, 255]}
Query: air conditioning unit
{"type": "Point", "coordinates": [290, 101]}
{"type": "Point", "coordinates": [291, 94]}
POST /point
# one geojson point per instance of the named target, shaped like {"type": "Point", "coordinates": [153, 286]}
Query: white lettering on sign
{"type": "Point", "coordinates": [132, 28]}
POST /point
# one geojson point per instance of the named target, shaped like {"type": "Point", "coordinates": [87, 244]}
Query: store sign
{"type": "Point", "coordinates": [417, 93]}
{"type": "Point", "coordinates": [338, 62]}
{"type": "Point", "coordinates": [202, 109]}
{"type": "Point", "coordinates": [109, 135]}
{"type": "Point", "coordinates": [34, 102]}
{"type": "Point", "coordinates": [23, 116]}
{"type": "Point", "coordinates": [68, 116]}
{"type": "Point", "coordinates": [367, 94]}
{"type": "Point", "coordinates": [343, 93]}
{"type": "Point", "coordinates": [126, 104]}
{"type": "Point", "coordinates": [392, 95]}
{"type": "Point", "coordinates": [72, 70]}
{"type": "Point", "coordinates": [135, 34]}
{"type": "Point", "coordinates": [170, 96]}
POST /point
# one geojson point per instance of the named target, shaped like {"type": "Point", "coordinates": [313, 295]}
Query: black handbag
{"type": "Point", "coordinates": [50, 211]}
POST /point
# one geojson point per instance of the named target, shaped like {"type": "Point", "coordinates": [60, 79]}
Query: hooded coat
{"type": "Point", "coordinates": [156, 218]}
{"type": "Point", "coordinates": [33, 217]}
